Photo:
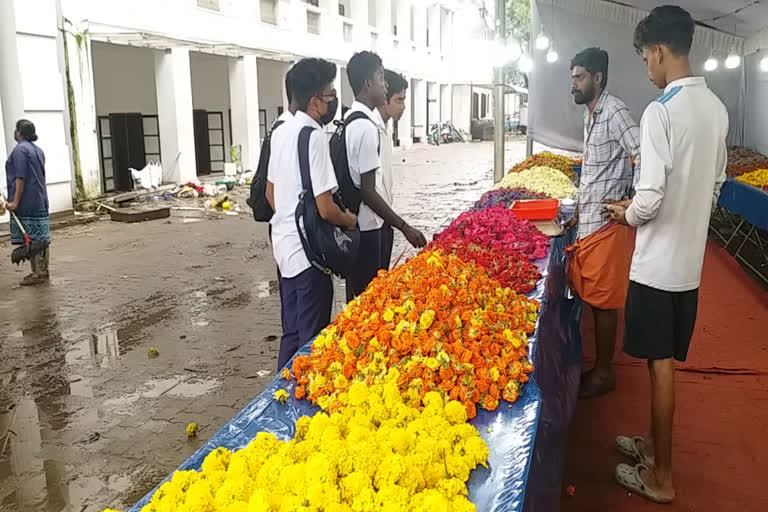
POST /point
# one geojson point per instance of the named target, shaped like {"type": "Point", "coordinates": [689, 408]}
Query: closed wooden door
{"type": "Point", "coordinates": [202, 143]}
{"type": "Point", "coordinates": [128, 150]}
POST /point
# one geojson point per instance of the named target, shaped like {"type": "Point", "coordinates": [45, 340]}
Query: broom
{"type": "Point", "coordinates": [29, 248]}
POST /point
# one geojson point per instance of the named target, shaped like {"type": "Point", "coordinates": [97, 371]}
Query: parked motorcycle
{"type": "Point", "coordinates": [449, 133]}
{"type": "Point", "coordinates": [433, 137]}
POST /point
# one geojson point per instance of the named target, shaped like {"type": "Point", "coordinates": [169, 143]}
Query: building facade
{"type": "Point", "coordinates": [195, 84]}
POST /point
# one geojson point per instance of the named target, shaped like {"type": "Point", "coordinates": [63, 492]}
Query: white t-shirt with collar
{"type": "Point", "coordinates": [364, 140]}
{"type": "Point", "coordinates": [684, 155]}
{"type": "Point", "coordinates": [284, 173]}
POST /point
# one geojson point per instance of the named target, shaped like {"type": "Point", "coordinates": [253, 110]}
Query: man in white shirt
{"type": "Point", "coordinates": [363, 143]}
{"type": "Point", "coordinates": [684, 155]}
{"type": "Point", "coordinates": [306, 293]}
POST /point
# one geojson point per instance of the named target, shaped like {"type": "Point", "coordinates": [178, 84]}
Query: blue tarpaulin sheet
{"type": "Point", "coordinates": [745, 200]}
{"type": "Point", "coordinates": [518, 434]}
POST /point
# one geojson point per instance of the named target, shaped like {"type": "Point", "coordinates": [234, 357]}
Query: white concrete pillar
{"type": "Point", "coordinates": [434, 14]}
{"type": "Point", "coordinates": [420, 110]}
{"type": "Point", "coordinates": [420, 26]}
{"type": "Point", "coordinates": [405, 125]}
{"type": "Point", "coordinates": [81, 76]}
{"type": "Point", "coordinates": [11, 92]}
{"type": "Point", "coordinates": [173, 82]}
{"type": "Point", "coordinates": [403, 23]}
{"type": "Point", "coordinates": [331, 26]}
{"type": "Point", "coordinates": [361, 33]}
{"type": "Point", "coordinates": [384, 17]}
{"type": "Point", "coordinates": [446, 103]}
{"type": "Point", "coordinates": [244, 99]}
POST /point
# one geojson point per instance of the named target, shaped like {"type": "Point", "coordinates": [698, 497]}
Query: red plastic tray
{"type": "Point", "coordinates": [536, 209]}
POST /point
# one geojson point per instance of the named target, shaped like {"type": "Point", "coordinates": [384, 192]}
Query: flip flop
{"type": "Point", "coordinates": [627, 446]}
{"type": "Point", "coordinates": [629, 477]}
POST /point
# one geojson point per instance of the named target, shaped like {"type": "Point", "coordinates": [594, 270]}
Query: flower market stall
{"type": "Point", "coordinates": [447, 385]}
{"type": "Point", "coordinates": [743, 207]}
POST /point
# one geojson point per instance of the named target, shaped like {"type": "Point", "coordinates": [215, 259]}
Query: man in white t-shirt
{"type": "Point", "coordinates": [684, 155]}
{"type": "Point", "coordinates": [364, 146]}
{"type": "Point", "coordinates": [306, 293]}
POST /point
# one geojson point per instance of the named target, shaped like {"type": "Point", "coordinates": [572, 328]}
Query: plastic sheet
{"type": "Point", "coordinates": [510, 431]}
{"type": "Point", "coordinates": [745, 200]}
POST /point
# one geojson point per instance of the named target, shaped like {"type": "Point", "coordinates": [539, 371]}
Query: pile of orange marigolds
{"type": "Point", "coordinates": [443, 323]}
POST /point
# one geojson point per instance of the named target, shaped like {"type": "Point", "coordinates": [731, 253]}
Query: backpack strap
{"type": "Point", "coordinates": [354, 116]}
{"type": "Point", "coordinates": [306, 188]}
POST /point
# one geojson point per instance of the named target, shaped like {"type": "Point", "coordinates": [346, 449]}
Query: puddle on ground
{"type": "Point", "coordinates": [180, 386]}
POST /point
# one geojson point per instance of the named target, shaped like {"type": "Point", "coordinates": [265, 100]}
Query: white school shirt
{"type": "Point", "coordinates": [283, 172]}
{"type": "Point", "coordinates": [363, 139]}
{"type": "Point", "coordinates": [684, 154]}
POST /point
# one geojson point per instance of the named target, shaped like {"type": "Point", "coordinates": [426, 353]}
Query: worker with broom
{"type": "Point", "coordinates": [28, 203]}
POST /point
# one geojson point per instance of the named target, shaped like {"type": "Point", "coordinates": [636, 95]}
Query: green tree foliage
{"type": "Point", "coordinates": [518, 25]}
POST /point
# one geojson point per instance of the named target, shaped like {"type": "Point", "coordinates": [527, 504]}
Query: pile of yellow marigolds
{"type": "Point", "coordinates": [758, 178]}
{"type": "Point", "coordinates": [376, 454]}
{"type": "Point", "coordinates": [548, 159]}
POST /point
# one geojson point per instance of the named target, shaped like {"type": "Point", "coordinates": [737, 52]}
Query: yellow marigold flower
{"type": "Point", "coordinates": [153, 352]}
{"type": "Point", "coordinates": [281, 396]}
{"type": "Point", "coordinates": [388, 315]}
{"type": "Point", "coordinates": [432, 363]}
{"type": "Point", "coordinates": [494, 373]}
{"type": "Point", "coordinates": [455, 412]}
{"type": "Point", "coordinates": [192, 429]}
{"type": "Point", "coordinates": [426, 319]}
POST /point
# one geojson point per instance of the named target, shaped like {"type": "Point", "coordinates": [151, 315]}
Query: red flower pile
{"type": "Point", "coordinates": [496, 228]}
{"type": "Point", "coordinates": [510, 268]}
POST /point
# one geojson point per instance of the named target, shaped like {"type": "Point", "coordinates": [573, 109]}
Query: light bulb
{"type": "Point", "coordinates": [542, 42]}
{"type": "Point", "coordinates": [764, 65]}
{"type": "Point", "coordinates": [711, 64]}
{"type": "Point", "coordinates": [733, 61]}
{"type": "Point", "coordinates": [525, 64]}
{"type": "Point", "coordinates": [552, 56]}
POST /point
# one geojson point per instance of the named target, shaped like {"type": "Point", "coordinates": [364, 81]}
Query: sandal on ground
{"type": "Point", "coordinates": [593, 387]}
{"type": "Point", "coordinates": [629, 477]}
{"type": "Point", "coordinates": [628, 446]}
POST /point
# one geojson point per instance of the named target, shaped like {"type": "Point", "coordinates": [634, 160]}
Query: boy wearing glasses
{"type": "Point", "coordinates": [306, 293]}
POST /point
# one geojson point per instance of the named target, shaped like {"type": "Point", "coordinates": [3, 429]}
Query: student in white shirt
{"type": "Point", "coordinates": [306, 294]}
{"type": "Point", "coordinates": [364, 142]}
{"type": "Point", "coordinates": [683, 149]}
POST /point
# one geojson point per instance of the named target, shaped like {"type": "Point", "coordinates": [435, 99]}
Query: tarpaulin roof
{"type": "Point", "coordinates": [554, 119]}
{"type": "Point", "coordinates": [741, 17]}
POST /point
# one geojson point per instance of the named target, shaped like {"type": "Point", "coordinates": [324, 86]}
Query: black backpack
{"type": "Point", "coordinates": [330, 249]}
{"type": "Point", "coordinates": [262, 212]}
{"type": "Point", "coordinates": [350, 194]}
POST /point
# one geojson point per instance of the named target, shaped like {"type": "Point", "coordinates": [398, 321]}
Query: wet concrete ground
{"type": "Point", "coordinates": [87, 419]}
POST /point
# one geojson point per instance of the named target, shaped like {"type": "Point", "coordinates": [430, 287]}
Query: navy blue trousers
{"type": "Point", "coordinates": [305, 310]}
{"type": "Point", "coordinates": [375, 254]}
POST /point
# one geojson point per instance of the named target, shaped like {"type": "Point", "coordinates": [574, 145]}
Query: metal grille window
{"type": "Point", "coordinates": [313, 22]}
{"type": "Point", "coordinates": [209, 4]}
{"type": "Point", "coordinates": [269, 11]}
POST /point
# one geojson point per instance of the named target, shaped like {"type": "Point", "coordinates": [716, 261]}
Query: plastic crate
{"type": "Point", "coordinates": [536, 209]}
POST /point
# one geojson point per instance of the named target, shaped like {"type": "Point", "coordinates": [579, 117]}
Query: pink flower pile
{"type": "Point", "coordinates": [499, 228]}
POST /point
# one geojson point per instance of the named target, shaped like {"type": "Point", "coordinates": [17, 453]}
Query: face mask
{"type": "Point", "coordinates": [333, 106]}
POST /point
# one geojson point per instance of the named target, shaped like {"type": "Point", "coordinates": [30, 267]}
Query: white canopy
{"type": "Point", "coordinates": [573, 25]}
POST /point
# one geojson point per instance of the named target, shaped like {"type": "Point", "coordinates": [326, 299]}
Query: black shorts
{"type": "Point", "coordinates": [659, 324]}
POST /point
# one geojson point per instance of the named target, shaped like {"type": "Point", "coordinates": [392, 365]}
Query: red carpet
{"type": "Point", "coordinates": [720, 453]}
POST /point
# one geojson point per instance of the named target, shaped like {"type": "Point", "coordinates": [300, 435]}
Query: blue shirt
{"type": "Point", "coordinates": [27, 162]}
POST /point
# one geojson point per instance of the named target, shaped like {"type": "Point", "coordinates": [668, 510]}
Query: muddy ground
{"type": "Point", "coordinates": [91, 420]}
